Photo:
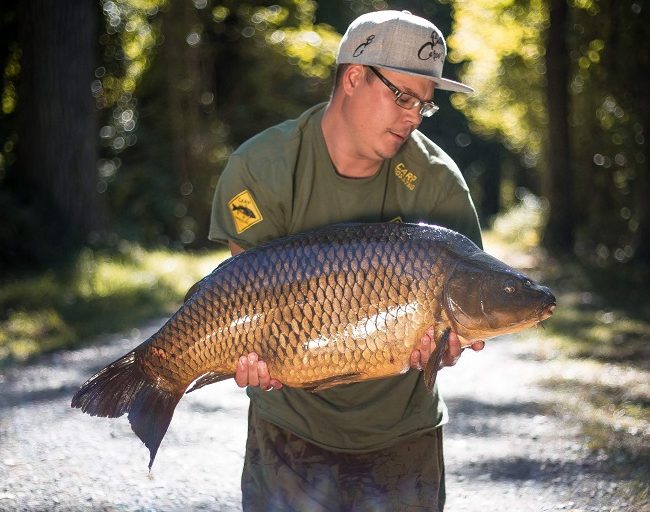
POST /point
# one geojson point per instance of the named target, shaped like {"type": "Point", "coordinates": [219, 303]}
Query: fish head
{"type": "Point", "coordinates": [484, 298]}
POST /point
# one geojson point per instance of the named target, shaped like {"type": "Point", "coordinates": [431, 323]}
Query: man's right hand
{"type": "Point", "coordinates": [253, 372]}
{"type": "Point", "coordinates": [250, 370]}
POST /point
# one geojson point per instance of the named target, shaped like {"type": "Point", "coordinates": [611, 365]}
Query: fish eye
{"type": "Point", "coordinates": [509, 287]}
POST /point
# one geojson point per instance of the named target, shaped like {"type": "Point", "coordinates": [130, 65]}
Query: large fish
{"type": "Point", "coordinates": [342, 304]}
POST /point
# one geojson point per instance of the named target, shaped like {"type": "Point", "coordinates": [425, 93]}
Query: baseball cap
{"type": "Point", "coordinates": [400, 41]}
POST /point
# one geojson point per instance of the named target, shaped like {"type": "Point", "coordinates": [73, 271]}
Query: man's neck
{"type": "Point", "coordinates": [346, 159]}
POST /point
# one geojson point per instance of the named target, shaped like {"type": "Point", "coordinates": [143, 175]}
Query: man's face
{"type": "Point", "coordinates": [381, 126]}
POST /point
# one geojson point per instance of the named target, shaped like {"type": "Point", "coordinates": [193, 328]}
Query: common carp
{"type": "Point", "coordinates": [337, 305]}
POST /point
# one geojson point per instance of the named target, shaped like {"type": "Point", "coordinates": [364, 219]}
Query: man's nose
{"type": "Point", "coordinates": [413, 116]}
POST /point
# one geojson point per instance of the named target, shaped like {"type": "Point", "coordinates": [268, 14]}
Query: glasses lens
{"type": "Point", "coordinates": [407, 101]}
{"type": "Point", "coordinates": [428, 109]}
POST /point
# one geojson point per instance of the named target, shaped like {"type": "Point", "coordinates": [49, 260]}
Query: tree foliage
{"type": "Point", "coordinates": [504, 46]}
{"type": "Point", "coordinates": [178, 85]}
{"type": "Point", "coordinates": [221, 72]}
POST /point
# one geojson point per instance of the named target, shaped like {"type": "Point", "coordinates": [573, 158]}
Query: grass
{"type": "Point", "coordinates": [99, 293]}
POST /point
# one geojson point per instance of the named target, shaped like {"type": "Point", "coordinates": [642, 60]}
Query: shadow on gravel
{"type": "Point", "coordinates": [207, 409]}
{"type": "Point", "coordinates": [474, 417]}
{"type": "Point", "coordinates": [53, 377]}
{"type": "Point", "coordinates": [15, 398]}
{"type": "Point", "coordinates": [522, 469]}
{"type": "Point", "coordinates": [480, 408]}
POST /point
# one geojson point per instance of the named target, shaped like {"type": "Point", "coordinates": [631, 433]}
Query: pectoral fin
{"type": "Point", "coordinates": [330, 382]}
{"type": "Point", "coordinates": [433, 364]}
{"type": "Point", "coordinates": [208, 378]}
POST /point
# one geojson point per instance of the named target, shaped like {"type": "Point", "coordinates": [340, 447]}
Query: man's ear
{"type": "Point", "coordinates": [354, 75]}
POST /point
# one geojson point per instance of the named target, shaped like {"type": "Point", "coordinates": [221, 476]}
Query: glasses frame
{"type": "Point", "coordinates": [427, 108]}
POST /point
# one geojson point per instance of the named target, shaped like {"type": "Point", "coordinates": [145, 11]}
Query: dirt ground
{"type": "Point", "coordinates": [511, 444]}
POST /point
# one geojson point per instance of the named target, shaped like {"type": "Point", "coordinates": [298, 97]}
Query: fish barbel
{"type": "Point", "coordinates": [342, 304]}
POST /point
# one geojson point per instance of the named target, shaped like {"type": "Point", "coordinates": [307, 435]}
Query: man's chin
{"type": "Point", "coordinates": [388, 153]}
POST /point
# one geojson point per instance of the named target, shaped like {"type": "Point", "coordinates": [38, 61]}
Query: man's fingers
{"type": "Point", "coordinates": [263, 376]}
{"type": "Point", "coordinates": [453, 350]}
{"type": "Point", "coordinates": [478, 345]}
{"type": "Point", "coordinates": [420, 355]}
{"type": "Point", "coordinates": [253, 372]}
{"type": "Point", "coordinates": [241, 374]}
{"type": "Point", "coordinates": [415, 360]}
{"type": "Point", "coordinates": [253, 377]}
{"type": "Point", "coordinates": [426, 346]}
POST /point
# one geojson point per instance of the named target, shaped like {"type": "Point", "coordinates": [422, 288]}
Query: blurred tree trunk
{"type": "Point", "coordinates": [57, 124]}
{"type": "Point", "coordinates": [559, 232]}
{"type": "Point", "coordinates": [188, 62]}
{"type": "Point", "coordinates": [643, 183]}
{"type": "Point", "coordinates": [633, 65]}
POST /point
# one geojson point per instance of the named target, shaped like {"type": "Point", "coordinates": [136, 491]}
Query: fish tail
{"type": "Point", "coordinates": [122, 387]}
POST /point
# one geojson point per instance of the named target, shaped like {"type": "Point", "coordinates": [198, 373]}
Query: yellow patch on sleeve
{"type": "Point", "coordinates": [244, 211]}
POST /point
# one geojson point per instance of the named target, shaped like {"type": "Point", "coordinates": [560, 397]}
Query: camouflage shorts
{"type": "Point", "coordinates": [283, 472]}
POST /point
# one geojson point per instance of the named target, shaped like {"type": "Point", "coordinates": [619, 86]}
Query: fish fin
{"type": "Point", "coordinates": [433, 364]}
{"type": "Point", "coordinates": [209, 378]}
{"type": "Point", "coordinates": [330, 382]}
{"type": "Point", "coordinates": [122, 387]}
{"type": "Point", "coordinates": [192, 290]}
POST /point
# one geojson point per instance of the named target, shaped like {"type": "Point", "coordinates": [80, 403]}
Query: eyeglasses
{"type": "Point", "coordinates": [406, 100]}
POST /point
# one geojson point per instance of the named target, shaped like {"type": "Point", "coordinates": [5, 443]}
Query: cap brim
{"type": "Point", "coordinates": [441, 83]}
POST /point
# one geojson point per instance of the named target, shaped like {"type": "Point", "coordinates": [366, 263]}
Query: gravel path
{"type": "Point", "coordinates": [504, 450]}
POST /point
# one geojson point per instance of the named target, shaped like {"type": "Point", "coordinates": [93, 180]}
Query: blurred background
{"type": "Point", "coordinates": [117, 117]}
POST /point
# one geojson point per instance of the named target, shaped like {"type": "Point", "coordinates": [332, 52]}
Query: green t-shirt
{"type": "Point", "coordinates": [282, 181]}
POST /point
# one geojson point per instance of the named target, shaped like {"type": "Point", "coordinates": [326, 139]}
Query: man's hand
{"type": "Point", "coordinates": [250, 370]}
{"type": "Point", "coordinates": [419, 357]}
{"type": "Point", "coordinates": [253, 372]}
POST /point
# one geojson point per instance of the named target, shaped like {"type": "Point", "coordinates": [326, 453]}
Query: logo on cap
{"type": "Point", "coordinates": [430, 46]}
{"type": "Point", "coordinates": [359, 50]}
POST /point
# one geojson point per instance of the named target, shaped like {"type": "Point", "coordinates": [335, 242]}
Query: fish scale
{"type": "Point", "coordinates": [338, 305]}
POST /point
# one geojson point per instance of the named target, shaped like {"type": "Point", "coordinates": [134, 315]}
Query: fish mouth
{"type": "Point", "coordinates": [547, 310]}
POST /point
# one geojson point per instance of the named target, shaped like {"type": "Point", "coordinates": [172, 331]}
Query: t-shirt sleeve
{"type": "Point", "coordinates": [457, 212]}
{"type": "Point", "coordinates": [245, 209]}
{"type": "Point", "coordinates": [444, 190]}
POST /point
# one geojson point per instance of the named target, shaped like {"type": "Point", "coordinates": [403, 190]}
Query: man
{"type": "Point", "coordinates": [375, 445]}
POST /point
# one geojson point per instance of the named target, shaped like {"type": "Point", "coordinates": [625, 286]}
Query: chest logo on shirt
{"type": "Point", "coordinates": [405, 176]}
{"type": "Point", "coordinates": [244, 211]}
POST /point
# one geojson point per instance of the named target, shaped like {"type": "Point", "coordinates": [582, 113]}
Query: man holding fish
{"type": "Point", "coordinates": [345, 288]}
{"type": "Point", "coordinates": [373, 445]}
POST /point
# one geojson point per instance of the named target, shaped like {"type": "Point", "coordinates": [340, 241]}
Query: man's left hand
{"type": "Point", "coordinates": [420, 355]}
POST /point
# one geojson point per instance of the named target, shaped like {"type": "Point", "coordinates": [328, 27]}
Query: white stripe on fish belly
{"type": "Point", "coordinates": [366, 327]}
